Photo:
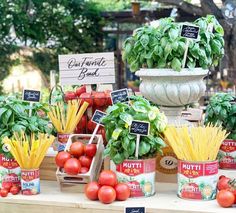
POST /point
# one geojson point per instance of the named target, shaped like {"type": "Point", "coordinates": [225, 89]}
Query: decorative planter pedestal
{"type": "Point", "coordinates": [172, 90]}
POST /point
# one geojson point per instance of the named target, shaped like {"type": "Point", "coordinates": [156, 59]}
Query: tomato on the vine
{"type": "Point", "coordinates": [225, 198]}
{"type": "Point", "coordinates": [223, 183]}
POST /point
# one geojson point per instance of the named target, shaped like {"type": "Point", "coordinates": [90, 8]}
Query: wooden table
{"type": "Point", "coordinates": [51, 200]}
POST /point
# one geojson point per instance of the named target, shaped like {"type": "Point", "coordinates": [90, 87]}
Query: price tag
{"type": "Point", "coordinates": [140, 128]}
{"type": "Point", "coordinates": [134, 210]}
{"type": "Point", "coordinates": [121, 95]}
{"type": "Point", "coordinates": [189, 31]}
{"type": "Point", "coordinates": [31, 95]}
{"type": "Point", "coordinates": [97, 116]}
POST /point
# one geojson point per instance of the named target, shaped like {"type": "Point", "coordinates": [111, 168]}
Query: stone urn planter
{"type": "Point", "coordinates": [172, 90]}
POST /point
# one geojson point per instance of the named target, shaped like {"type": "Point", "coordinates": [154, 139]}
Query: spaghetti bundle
{"type": "Point", "coordinates": [29, 151]}
{"type": "Point", "coordinates": [195, 143]}
{"type": "Point", "coordinates": [66, 120]}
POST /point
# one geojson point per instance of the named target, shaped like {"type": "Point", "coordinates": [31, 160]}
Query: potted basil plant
{"type": "Point", "coordinates": [139, 172]}
{"type": "Point", "coordinates": [221, 110]}
{"type": "Point", "coordinates": [156, 55]}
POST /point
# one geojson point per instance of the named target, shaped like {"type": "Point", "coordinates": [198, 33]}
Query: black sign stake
{"type": "Point", "coordinates": [134, 210]}
{"type": "Point", "coordinates": [121, 95]}
{"type": "Point", "coordinates": [31, 96]}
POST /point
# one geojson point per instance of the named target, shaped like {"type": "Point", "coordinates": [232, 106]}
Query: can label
{"type": "Point", "coordinates": [30, 182]}
{"type": "Point", "coordinates": [62, 140]}
{"type": "Point", "coordinates": [139, 175]}
{"type": "Point", "coordinates": [197, 180]}
{"type": "Point", "coordinates": [227, 154]}
{"type": "Point", "coordinates": [10, 171]}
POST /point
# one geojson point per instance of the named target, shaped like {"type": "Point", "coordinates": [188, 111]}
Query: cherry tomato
{"type": "Point", "coordinates": [14, 190]}
{"type": "Point", "coordinates": [85, 161]}
{"type": "Point", "coordinates": [80, 90]}
{"type": "Point", "coordinates": [99, 98]}
{"type": "Point", "coordinates": [122, 191]}
{"type": "Point", "coordinates": [84, 170]}
{"type": "Point", "coordinates": [223, 183]}
{"type": "Point", "coordinates": [72, 166]}
{"type": "Point", "coordinates": [225, 198]}
{"type": "Point", "coordinates": [90, 150]}
{"type": "Point", "coordinates": [7, 186]}
{"type": "Point", "coordinates": [86, 97]}
{"type": "Point", "coordinates": [108, 178]}
{"type": "Point", "coordinates": [70, 96]}
{"type": "Point", "coordinates": [61, 158]}
{"type": "Point", "coordinates": [91, 190]}
{"type": "Point", "coordinates": [106, 194]}
{"type": "Point", "coordinates": [77, 149]}
{"type": "Point", "coordinates": [3, 192]}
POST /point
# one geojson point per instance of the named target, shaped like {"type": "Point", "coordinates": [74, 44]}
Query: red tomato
{"type": "Point", "coordinates": [85, 161]}
{"type": "Point", "coordinates": [86, 97]}
{"type": "Point", "coordinates": [108, 96]}
{"type": "Point", "coordinates": [102, 132]}
{"type": "Point", "coordinates": [72, 166]}
{"type": "Point", "coordinates": [223, 183]}
{"type": "Point", "coordinates": [106, 194]}
{"type": "Point", "coordinates": [3, 192]}
{"type": "Point", "coordinates": [91, 190]}
{"type": "Point", "coordinates": [61, 158]}
{"type": "Point", "coordinates": [108, 178]}
{"type": "Point", "coordinates": [99, 98]}
{"type": "Point", "coordinates": [80, 90]}
{"type": "Point", "coordinates": [83, 122]}
{"type": "Point", "coordinates": [90, 150]}
{"type": "Point", "coordinates": [14, 190]}
{"type": "Point", "coordinates": [77, 149]}
{"type": "Point", "coordinates": [91, 125]}
{"type": "Point", "coordinates": [84, 170]}
{"type": "Point", "coordinates": [7, 186]}
{"type": "Point", "coordinates": [70, 96]}
{"type": "Point", "coordinates": [225, 198]}
{"type": "Point", "coordinates": [122, 191]}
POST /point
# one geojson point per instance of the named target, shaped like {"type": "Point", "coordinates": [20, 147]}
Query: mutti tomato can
{"type": "Point", "coordinates": [197, 180]}
{"type": "Point", "coordinates": [227, 154]}
{"type": "Point", "coordinates": [61, 141]}
{"type": "Point", "coordinates": [30, 182]}
{"type": "Point", "coordinates": [139, 175]}
{"type": "Point", "coordinates": [10, 171]}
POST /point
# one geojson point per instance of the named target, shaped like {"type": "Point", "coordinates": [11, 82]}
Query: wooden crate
{"type": "Point", "coordinates": [48, 168]}
{"type": "Point", "coordinates": [75, 183]}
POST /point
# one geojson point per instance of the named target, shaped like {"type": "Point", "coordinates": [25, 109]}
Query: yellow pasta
{"type": "Point", "coordinates": [195, 143]}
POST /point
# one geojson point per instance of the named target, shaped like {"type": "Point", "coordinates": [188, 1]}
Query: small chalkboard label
{"type": "Point", "coordinates": [189, 31]}
{"type": "Point", "coordinates": [97, 116]}
{"type": "Point", "coordinates": [121, 95]}
{"type": "Point", "coordinates": [135, 210]}
{"type": "Point", "coordinates": [31, 95]}
{"type": "Point", "coordinates": [140, 128]}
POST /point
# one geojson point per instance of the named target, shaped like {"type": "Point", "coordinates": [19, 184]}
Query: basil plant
{"type": "Point", "coordinates": [163, 47]}
{"type": "Point", "coordinates": [121, 144]}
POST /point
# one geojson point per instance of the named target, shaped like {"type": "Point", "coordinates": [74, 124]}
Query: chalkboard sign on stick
{"type": "Point", "coordinates": [140, 128]}
{"type": "Point", "coordinates": [134, 210]}
{"type": "Point", "coordinates": [189, 31]}
{"type": "Point", "coordinates": [97, 116]}
{"type": "Point", "coordinates": [121, 95]}
{"type": "Point", "coordinates": [31, 95]}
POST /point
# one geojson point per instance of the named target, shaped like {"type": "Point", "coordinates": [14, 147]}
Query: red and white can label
{"type": "Point", "coordinates": [30, 182]}
{"type": "Point", "coordinates": [139, 175]}
{"type": "Point", "coordinates": [10, 171]}
{"type": "Point", "coordinates": [62, 140]}
{"type": "Point", "coordinates": [197, 180]}
{"type": "Point", "coordinates": [227, 154]}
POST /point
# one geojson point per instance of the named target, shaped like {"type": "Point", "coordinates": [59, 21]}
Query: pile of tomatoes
{"type": "Point", "coordinates": [226, 196]}
{"type": "Point", "coordinates": [107, 189]}
{"type": "Point", "coordinates": [78, 159]}
{"type": "Point", "coordinates": [14, 189]}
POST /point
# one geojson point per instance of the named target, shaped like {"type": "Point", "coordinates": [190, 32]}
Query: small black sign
{"type": "Point", "coordinates": [189, 31]}
{"type": "Point", "coordinates": [134, 210]}
{"type": "Point", "coordinates": [97, 116]}
{"type": "Point", "coordinates": [31, 95]}
{"type": "Point", "coordinates": [121, 95]}
{"type": "Point", "coordinates": [140, 128]}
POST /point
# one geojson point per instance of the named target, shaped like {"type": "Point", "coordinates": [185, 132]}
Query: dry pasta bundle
{"type": "Point", "coordinates": [29, 151]}
{"type": "Point", "coordinates": [65, 120]}
{"type": "Point", "coordinates": [195, 143]}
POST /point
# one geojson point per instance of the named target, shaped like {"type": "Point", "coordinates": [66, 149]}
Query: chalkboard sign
{"type": "Point", "coordinates": [140, 128]}
{"type": "Point", "coordinates": [134, 210]}
{"type": "Point", "coordinates": [89, 68]}
{"type": "Point", "coordinates": [189, 31]}
{"type": "Point", "coordinates": [121, 95]}
{"type": "Point", "coordinates": [31, 95]}
{"type": "Point", "coordinates": [97, 116]}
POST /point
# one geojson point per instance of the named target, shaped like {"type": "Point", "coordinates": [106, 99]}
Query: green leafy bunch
{"type": "Point", "coordinates": [222, 111]}
{"type": "Point", "coordinates": [14, 116]}
{"type": "Point", "coordinates": [121, 144]}
{"type": "Point", "coordinates": [162, 46]}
